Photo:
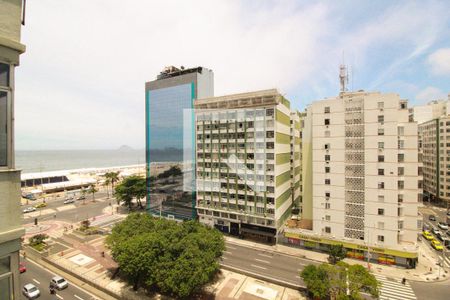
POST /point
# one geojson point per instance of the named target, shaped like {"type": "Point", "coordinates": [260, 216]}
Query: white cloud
{"type": "Point", "coordinates": [430, 93]}
{"type": "Point", "coordinates": [439, 61]}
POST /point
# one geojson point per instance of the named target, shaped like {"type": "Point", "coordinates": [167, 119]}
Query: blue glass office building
{"type": "Point", "coordinates": [166, 100]}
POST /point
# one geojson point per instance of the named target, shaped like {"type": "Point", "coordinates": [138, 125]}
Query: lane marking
{"type": "Point", "coordinates": [263, 261]}
{"type": "Point", "coordinates": [78, 297]}
{"type": "Point", "coordinates": [36, 281]}
{"type": "Point", "coordinates": [59, 296]}
{"type": "Point", "coordinates": [265, 255]}
{"type": "Point", "coordinates": [255, 266]}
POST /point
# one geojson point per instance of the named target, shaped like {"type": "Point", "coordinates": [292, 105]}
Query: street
{"type": "Point", "coordinates": [40, 277]}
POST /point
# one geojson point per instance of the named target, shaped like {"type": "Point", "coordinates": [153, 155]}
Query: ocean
{"type": "Point", "coordinates": [54, 160]}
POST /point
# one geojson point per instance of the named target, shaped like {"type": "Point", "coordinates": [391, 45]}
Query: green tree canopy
{"type": "Point", "coordinates": [131, 187]}
{"type": "Point", "coordinates": [332, 281]}
{"type": "Point", "coordinates": [173, 171]}
{"type": "Point", "coordinates": [337, 253]}
{"type": "Point", "coordinates": [175, 258]}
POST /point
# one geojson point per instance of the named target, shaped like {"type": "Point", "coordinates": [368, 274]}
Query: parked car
{"type": "Point", "coordinates": [446, 242]}
{"type": "Point", "coordinates": [440, 236]}
{"type": "Point", "coordinates": [432, 218]}
{"type": "Point", "coordinates": [40, 205]}
{"type": "Point", "coordinates": [68, 201]}
{"type": "Point", "coordinates": [435, 231]}
{"type": "Point", "coordinates": [443, 226]}
{"type": "Point", "coordinates": [22, 267]}
{"type": "Point", "coordinates": [59, 283]}
{"type": "Point", "coordinates": [426, 234]}
{"type": "Point", "coordinates": [448, 232]}
{"type": "Point", "coordinates": [29, 209]}
{"type": "Point", "coordinates": [437, 245]}
{"type": "Point", "coordinates": [30, 291]}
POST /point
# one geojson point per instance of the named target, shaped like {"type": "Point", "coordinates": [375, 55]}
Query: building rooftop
{"type": "Point", "coordinates": [172, 71]}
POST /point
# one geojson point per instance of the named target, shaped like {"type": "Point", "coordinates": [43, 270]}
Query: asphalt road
{"type": "Point", "coordinates": [40, 277]}
{"type": "Point", "coordinates": [83, 209]}
{"type": "Point", "coordinates": [265, 263]}
{"type": "Point", "coordinates": [431, 291]}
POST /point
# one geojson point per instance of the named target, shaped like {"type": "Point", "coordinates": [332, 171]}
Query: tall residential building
{"type": "Point", "coordinates": [168, 100]}
{"type": "Point", "coordinates": [435, 146]}
{"type": "Point", "coordinates": [365, 181]}
{"type": "Point", "coordinates": [248, 162]}
{"type": "Point", "coordinates": [11, 229]}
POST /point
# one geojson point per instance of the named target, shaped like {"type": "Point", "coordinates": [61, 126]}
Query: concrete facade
{"type": "Point", "coordinates": [365, 182]}
{"type": "Point", "coordinates": [248, 162]}
{"type": "Point", "coordinates": [431, 110]}
{"type": "Point", "coordinates": [11, 229]}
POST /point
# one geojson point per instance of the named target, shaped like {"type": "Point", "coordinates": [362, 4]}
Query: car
{"type": "Point", "coordinates": [435, 231]}
{"type": "Point", "coordinates": [30, 291]}
{"type": "Point", "coordinates": [437, 245]}
{"type": "Point", "coordinates": [440, 236]}
{"type": "Point", "coordinates": [426, 234]}
{"type": "Point", "coordinates": [70, 200]}
{"type": "Point", "coordinates": [29, 209]}
{"type": "Point", "coordinates": [448, 232]}
{"type": "Point", "coordinates": [446, 242]}
{"type": "Point", "coordinates": [81, 198]}
{"type": "Point", "coordinates": [442, 226]}
{"type": "Point", "coordinates": [40, 205]}
{"type": "Point", "coordinates": [22, 267]}
{"type": "Point", "coordinates": [432, 218]}
{"type": "Point", "coordinates": [59, 283]}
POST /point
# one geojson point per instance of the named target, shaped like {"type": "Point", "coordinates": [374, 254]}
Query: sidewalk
{"type": "Point", "coordinates": [427, 260]}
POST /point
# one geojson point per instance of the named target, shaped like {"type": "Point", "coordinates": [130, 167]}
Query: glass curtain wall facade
{"type": "Point", "coordinates": [170, 172]}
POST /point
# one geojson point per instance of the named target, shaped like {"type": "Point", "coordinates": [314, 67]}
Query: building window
{"type": "Point", "coordinates": [327, 146]}
{"type": "Point", "coordinates": [380, 131]}
{"type": "Point", "coordinates": [4, 75]}
{"type": "Point", "coordinates": [381, 238]}
{"type": "Point", "coordinates": [328, 217]}
{"type": "Point", "coordinates": [401, 130]}
{"type": "Point", "coordinates": [327, 169]}
{"type": "Point", "coordinates": [326, 110]}
{"type": "Point", "coordinates": [327, 181]}
{"type": "Point", "coordinates": [327, 133]}
{"type": "Point", "coordinates": [381, 211]}
{"type": "Point", "coordinates": [381, 185]}
{"type": "Point", "coordinates": [401, 157]}
{"type": "Point", "coordinates": [380, 198]}
{"type": "Point", "coordinates": [380, 225]}
{"type": "Point", "coordinates": [381, 119]}
{"type": "Point", "coordinates": [327, 229]}
{"type": "Point", "coordinates": [3, 128]}
{"type": "Point", "coordinates": [380, 158]}
{"type": "Point", "coordinates": [327, 194]}
{"type": "Point", "coordinates": [400, 198]}
{"type": "Point", "coordinates": [401, 144]}
{"type": "Point", "coordinates": [327, 205]}
{"type": "Point", "coordinates": [380, 105]}
{"type": "Point", "coordinates": [401, 184]}
{"type": "Point", "coordinates": [401, 171]}
{"type": "Point", "coordinates": [327, 121]}
{"type": "Point", "coordinates": [400, 224]}
{"type": "Point", "coordinates": [380, 171]}
{"type": "Point", "coordinates": [327, 157]}
{"type": "Point", "coordinates": [380, 145]}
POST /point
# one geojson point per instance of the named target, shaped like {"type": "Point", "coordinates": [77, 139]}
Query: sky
{"type": "Point", "coordinates": [80, 84]}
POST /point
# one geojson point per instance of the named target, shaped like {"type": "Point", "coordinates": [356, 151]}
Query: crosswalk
{"type": "Point", "coordinates": [394, 289]}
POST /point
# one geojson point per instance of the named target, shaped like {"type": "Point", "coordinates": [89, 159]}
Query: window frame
{"type": "Point", "coordinates": [9, 108]}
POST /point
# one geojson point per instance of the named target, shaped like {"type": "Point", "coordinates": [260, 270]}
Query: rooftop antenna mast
{"type": "Point", "coordinates": [343, 75]}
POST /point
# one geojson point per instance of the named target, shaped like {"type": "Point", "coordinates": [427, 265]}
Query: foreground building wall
{"type": "Point", "coordinates": [247, 162]}
{"type": "Point", "coordinates": [11, 229]}
{"type": "Point", "coordinates": [365, 176]}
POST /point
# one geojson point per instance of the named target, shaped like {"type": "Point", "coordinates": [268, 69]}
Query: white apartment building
{"type": "Point", "coordinates": [434, 138]}
{"type": "Point", "coordinates": [365, 182]}
{"type": "Point", "coordinates": [432, 110]}
{"type": "Point", "coordinates": [248, 162]}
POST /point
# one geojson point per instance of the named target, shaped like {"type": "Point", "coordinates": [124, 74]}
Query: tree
{"type": "Point", "coordinates": [173, 171]}
{"type": "Point", "coordinates": [92, 190]}
{"type": "Point", "coordinates": [106, 184]}
{"type": "Point", "coordinates": [337, 253]}
{"type": "Point", "coordinates": [361, 280]}
{"type": "Point", "coordinates": [316, 280]}
{"type": "Point", "coordinates": [177, 259]}
{"type": "Point", "coordinates": [112, 177]}
{"type": "Point", "coordinates": [331, 281]}
{"type": "Point", "coordinates": [131, 187]}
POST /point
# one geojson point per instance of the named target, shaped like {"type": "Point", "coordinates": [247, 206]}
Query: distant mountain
{"type": "Point", "coordinates": [125, 148]}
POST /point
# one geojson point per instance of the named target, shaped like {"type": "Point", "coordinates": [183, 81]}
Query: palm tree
{"type": "Point", "coordinates": [92, 190]}
{"type": "Point", "coordinates": [106, 184]}
{"type": "Point", "coordinates": [113, 178]}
